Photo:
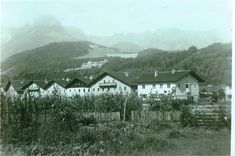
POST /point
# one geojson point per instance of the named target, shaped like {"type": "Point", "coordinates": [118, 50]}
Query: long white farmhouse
{"type": "Point", "coordinates": [182, 84]}
{"type": "Point", "coordinates": [77, 86]}
{"type": "Point", "coordinates": [113, 83]}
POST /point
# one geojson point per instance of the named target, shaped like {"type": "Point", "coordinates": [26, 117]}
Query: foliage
{"type": "Point", "coordinates": [166, 103]}
{"type": "Point", "coordinates": [211, 63]}
{"type": "Point", "coordinates": [187, 118]}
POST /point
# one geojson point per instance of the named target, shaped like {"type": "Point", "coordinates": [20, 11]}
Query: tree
{"type": "Point", "coordinates": [192, 49]}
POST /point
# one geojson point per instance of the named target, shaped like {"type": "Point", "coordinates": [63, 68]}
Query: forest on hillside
{"type": "Point", "coordinates": [212, 63]}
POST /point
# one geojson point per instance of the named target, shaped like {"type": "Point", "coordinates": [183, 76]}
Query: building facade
{"type": "Point", "coordinates": [179, 84]}
{"type": "Point", "coordinates": [111, 83]}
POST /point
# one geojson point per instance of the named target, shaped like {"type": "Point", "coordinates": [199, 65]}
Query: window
{"type": "Point", "coordinates": [124, 88]}
{"type": "Point", "coordinates": [88, 90]}
{"type": "Point", "coordinates": [108, 89]}
{"type": "Point", "coordinates": [113, 80]}
{"type": "Point", "coordinates": [94, 89]}
{"type": "Point", "coordinates": [102, 89]}
{"type": "Point", "coordinates": [153, 86]}
{"type": "Point", "coordinates": [84, 90]}
{"type": "Point", "coordinates": [168, 85]}
{"type": "Point", "coordinates": [161, 85]}
{"type": "Point", "coordinates": [79, 90]}
{"type": "Point", "coordinates": [195, 85]}
{"type": "Point", "coordinates": [187, 85]}
{"type": "Point", "coordinates": [143, 86]}
{"type": "Point", "coordinates": [98, 89]}
{"type": "Point", "coordinates": [104, 81]}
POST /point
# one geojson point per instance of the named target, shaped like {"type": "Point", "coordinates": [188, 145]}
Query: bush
{"type": "Point", "coordinates": [87, 121]}
{"type": "Point", "coordinates": [187, 118]}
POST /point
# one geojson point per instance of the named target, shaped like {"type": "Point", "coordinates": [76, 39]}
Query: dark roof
{"type": "Point", "coordinates": [18, 84]}
{"type": "Point", "coordinates": [117, 75]}
{"type": "Point", "coordinates": [41, 83]}
{"type": "Point", "coordinates": [3, 85]}
{"type": "Point", "coordinates": [62, 83]}
{"type": "Point", "coordinates": [77, 82]}
{"type": "Point", "coordinates": [166, 76]}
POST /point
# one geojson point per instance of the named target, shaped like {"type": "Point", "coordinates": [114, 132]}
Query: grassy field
{"type": "Point", "coordinates": [135, 139]}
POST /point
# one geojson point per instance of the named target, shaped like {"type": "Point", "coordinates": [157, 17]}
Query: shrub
{"type": "Point", "coordinates": [87, 121]}
{"type": "Point", "coordinates": [187, 118]}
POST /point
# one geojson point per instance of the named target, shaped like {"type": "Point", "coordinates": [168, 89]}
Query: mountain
{"type": "Point", "coordinates": [212, 63]}
{"type": "Point", "coordinates": [43, 31]}
{"type": "Point", "coordinates": [48, 30]}
{"type": "Point", "coordinates": [166, 39]}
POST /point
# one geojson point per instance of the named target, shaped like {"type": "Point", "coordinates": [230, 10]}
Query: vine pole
{"type": "Point", "coordinates": [125, 108]}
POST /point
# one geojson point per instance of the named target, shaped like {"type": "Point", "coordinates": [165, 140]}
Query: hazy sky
{"type": "Point", "coordinates": [105, 17]}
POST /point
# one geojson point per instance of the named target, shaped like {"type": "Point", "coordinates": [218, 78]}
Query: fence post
{"type": "Point", "coordinates": [125, 109]}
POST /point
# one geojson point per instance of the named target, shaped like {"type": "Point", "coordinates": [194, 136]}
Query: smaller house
{"type": "Point", "coordinates": [77, 87]}
{"type": "Point", "coordinates": [55, 87]}
{"type": "Point", "coordinates": [11, 89]}
{"type": "Point", "coordinates": [112, 83]}
{"type": "Point", "coordinates": [181, 84]}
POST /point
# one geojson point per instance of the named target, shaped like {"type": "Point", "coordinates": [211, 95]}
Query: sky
{"type": "Point", "coordinates": [106, 17]}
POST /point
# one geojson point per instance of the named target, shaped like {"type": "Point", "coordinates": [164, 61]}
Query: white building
{"type": "Point", "coordinates": [91, 64]}
{"type": "Point", "coordinates": [180, 84]}
{"type": "Point", "coordinates": [55, 88]}
{"type": "Point", "coordinates": [123, 55]}
{"type": "Point", "coordinates": [113, 83]}
{"type": "Point", "coordinates": [77, 87]}
{"type": "Point", "coordinates": [10, 90]}
{"type": "Point", "coordinates": [31, 89]}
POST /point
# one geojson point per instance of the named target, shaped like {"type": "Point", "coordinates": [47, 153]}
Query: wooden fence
{"type": "Point", "coordinates": [112, 116]}
{"type": "Point", "coordinates": [149, 115]}
{"type": "Point", "coordinates": [209, 115]}
{"type": "Point", "coordinates": [99, 116]}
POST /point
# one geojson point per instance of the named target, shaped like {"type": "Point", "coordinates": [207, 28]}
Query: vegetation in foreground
{"type": "Point", "coordinates": [56, 127]}
{"type": "Point", "coordinates": [118, 138]}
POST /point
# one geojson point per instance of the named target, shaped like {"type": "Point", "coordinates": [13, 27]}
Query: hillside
{"type": "Point", "coordinates": [213, 62]}
{"type": "Point", "coordinates": [54, 57]}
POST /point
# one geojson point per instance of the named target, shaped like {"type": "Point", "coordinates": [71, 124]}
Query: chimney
{"type": "Point", "coordinates": [155, 73]}
{"type": "Point", "coordinates": [126, 74]}
{"type": "Point", "coordinates": [173, 71]}
{"type": "Point", "coordinates": [46, 81]}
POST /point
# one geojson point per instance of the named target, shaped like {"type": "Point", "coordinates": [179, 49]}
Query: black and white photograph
{"type": "Point", "coordinates": [117, 78]}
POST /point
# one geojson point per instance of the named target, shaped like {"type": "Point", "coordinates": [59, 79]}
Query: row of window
{"type": "Point", "coordinates": [168, 85]}
{"type": "Point", "coordinates": [108, 81]}
{"type": "Point", "coordinates": [154, 86]}
{"type": "Point", "coordinates": [98, 89]}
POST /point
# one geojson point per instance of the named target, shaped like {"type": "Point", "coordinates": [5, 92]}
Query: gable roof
{"type": "Point", "coordinates": [62, 83]}
{"type": "Point", "coordinates": [77, 82]}
{"type": "Point", "coordinates": [166, 76]}
{"type": "Point", "coordinates": [119, 76]}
